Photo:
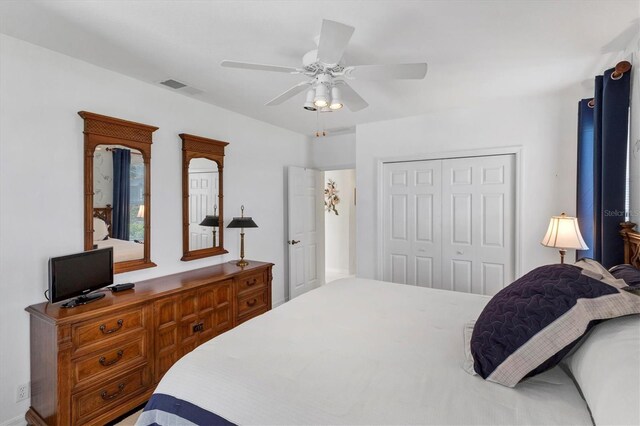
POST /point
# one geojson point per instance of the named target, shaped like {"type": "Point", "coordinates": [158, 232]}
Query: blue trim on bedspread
{"type": "Point", "coordinates": [182, 409]}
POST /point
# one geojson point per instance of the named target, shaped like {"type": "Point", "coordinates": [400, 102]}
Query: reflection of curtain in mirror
{"type": "Point", "coordinates": [120, 213]}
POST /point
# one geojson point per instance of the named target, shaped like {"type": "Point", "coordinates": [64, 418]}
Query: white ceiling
{"type": "Point", "coordinates": [476, 50]}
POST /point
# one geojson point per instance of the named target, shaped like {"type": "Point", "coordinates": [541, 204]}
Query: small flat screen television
{"type": "Point", "coordinates": [77, 275]}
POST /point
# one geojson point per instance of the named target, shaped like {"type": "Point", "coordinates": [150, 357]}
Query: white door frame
{"type": "Point", "coordinates": [514, 150]}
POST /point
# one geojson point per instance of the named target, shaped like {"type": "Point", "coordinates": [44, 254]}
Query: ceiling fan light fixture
{"type": "Point", "coordinates": [336, 99]}
{"type": "Point", "coordinates": [321, 99]}
{"type": "Point", "coordinates": [308, 105]}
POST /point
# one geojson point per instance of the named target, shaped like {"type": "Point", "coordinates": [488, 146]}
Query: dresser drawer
{"type": "Point", "coordinates": [88, 334]}
{"type": "Point", "coordinates": [251, 283]}
{"type": "Point", "coordinates": [89, 404]}
{"type": "Point", "coordinates": [252, 302]}
{"type": "Point", "coordinates": [110, 361]}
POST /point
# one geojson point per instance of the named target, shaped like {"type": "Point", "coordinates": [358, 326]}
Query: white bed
{"type": "Point", "coordinates": [360, 351]}
{"type": "Point", "coordinates": [123, 250]}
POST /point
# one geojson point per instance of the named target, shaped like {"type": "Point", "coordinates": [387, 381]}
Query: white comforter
{"type": "Point", "coordinates": [123, 250]}
{"type": "Point", "coordinates": [360, 351]}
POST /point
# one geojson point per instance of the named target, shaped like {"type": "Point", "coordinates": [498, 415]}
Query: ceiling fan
{"type": "Point", "coordinates": [327, 89]}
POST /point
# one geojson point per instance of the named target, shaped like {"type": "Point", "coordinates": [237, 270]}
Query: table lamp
{"type": "Point", "coordinates": [564, 233]}
{"type": "Point", "coordinates": [242, 222]}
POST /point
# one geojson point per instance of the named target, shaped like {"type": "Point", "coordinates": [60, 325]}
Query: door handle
{"type": "Point", "coordinates": [293, 242]}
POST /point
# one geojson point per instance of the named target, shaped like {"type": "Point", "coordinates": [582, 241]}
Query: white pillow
{"type": "Point", "coordinates": [100, 229]}
{"type": "Point", "coordinates": [607, 368]}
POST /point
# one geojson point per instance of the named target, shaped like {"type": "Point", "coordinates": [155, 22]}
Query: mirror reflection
{"type": "Point", "coordinates": [118, 201]}
{"type": "Point", "coordinates": [203, 184]}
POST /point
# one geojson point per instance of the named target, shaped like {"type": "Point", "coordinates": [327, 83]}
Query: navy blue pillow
{"type": "Point", "coordinates": [518, 334]}
{"type": "Point", "coordinates": [629, 274]}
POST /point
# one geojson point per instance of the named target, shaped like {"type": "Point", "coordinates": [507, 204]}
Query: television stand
{"type": "Point", "coordinates": [83, 300]}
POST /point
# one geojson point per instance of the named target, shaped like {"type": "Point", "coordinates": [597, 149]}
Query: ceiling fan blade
{"type": "Point", "coordinates": [334, 38]}
{"type": "Point", "coordinates": [260, 67]}
{"type": "Point", "coordinates": [387, 72]}
{"type": "Point", "coordinates": [351, 99]}
{"type": "Point", "coordinates": [301, 87]}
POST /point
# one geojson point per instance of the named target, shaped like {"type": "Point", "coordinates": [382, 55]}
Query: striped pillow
{"type": "Point", "coordinates": [530, 325]}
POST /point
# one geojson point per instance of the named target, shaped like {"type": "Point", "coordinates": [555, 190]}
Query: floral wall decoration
{"type": "Point", "coordinates": [331, 197]}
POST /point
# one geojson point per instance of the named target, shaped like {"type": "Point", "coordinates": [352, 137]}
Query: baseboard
{"type": "Point", "coordinates": [275, 305]}
{"type": "Point", "coordinates": [16, 421]}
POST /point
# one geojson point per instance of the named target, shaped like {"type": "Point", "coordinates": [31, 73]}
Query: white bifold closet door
{"type": "Point", "coordinates": [449, 223]}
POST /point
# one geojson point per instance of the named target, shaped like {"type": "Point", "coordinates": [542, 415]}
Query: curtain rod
{"type": "Point", "coordinates": [111, 149]}
{"type": "Point", "coordinates": [619, 70]}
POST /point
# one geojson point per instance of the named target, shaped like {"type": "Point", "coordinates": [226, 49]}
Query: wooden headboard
{"type": "Point", "coordinates": [104, 213]}
{"type": "Point", "coordinates": [631, 244]}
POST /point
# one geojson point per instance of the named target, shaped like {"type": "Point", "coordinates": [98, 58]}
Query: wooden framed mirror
{"type": "Point", "coordinates": [117, 189]}
{"type": "Point", "coordinates": [202, 197]}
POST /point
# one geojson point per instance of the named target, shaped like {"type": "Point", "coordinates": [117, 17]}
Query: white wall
{"type": "Point", "coordinates": [544, 128]}
{"type": "Point", "coordinates": [41, 175]}
{"type": "Point", "coordinates": [333, 152]}
{"type": "Point", "coordinates": [339, 229]}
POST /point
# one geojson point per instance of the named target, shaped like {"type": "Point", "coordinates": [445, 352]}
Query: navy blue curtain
{"type": "Point", "coordinates": [602, 160]}
{"type": "Point", "coordinates": [121, 190]}
{"type": "Point", "coordinates": [586, 181]}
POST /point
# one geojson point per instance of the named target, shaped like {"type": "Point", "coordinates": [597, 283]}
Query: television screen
{"type": "Point", "coordinates": [79, 274]}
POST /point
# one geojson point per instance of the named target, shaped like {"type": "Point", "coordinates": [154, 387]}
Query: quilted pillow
{"type": "Point", "coordinates": [629, 274]}
{"type": "Point", "coordinates": [530, 325]}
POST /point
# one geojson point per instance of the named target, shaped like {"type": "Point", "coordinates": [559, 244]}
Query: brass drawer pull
{"type": "Point", "coordinates": [107, 397]}
{"type": "Point", "coordinates": [103, 360]}
{"type": "Point", "coordinates": [252, 302]}
{"type": "Point", "coordinates": [254, 282]}
{"type": "Point", "coordinates": [104, 330]}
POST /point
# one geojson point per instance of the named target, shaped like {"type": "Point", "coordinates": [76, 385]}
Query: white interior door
{"type": "Point", "coordinates": [449, 223]}
{"type": "Point", "coordinates": [202, 197]}
{"type": "Point", "coordinates": [305, 230]}
{"type": "Point", "coordinates": [412, 232]}
{"type": "Point", "coordinates": [477, 223]}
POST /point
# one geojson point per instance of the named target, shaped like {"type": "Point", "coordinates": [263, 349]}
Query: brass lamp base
{"type": "Point", "coordinates": [562, 253]}
{"type": "Point", "coordinates": [242, 262]}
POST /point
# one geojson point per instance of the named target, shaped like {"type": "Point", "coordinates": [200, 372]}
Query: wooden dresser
{"type": "Point", "coordinates": [95, 362]}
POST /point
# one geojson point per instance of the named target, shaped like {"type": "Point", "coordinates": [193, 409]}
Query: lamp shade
{"type": "Point", "coordinates": [564, 233]}
{"type": "Point", "coordinates": [140, 211]}
{"type": "Point", "coordinates": [242, 222]}
{"type": "Point", "coordinates": [210, 221]}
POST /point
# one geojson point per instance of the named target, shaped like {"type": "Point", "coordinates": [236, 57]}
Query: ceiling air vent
{"type": "Point", "coordinates": [174, 84]}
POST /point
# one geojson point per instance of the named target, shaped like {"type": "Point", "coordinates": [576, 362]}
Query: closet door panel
{"type": "Point", "coordinates": [411, 217]}
{"type": "Point", "coordinates": [477, 210]}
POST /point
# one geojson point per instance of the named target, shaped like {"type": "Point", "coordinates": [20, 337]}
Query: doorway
{"type": "Point", "coordinates": [203, 193]}
{"type": "Point", "coordinates": [339, 223]}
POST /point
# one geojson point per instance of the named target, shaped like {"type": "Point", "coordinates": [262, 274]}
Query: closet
{"type": "Point", "coordinates": [449, 223]}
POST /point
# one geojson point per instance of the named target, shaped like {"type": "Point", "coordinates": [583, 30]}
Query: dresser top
{"type": "Point", "coordinates": [145, 290]}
